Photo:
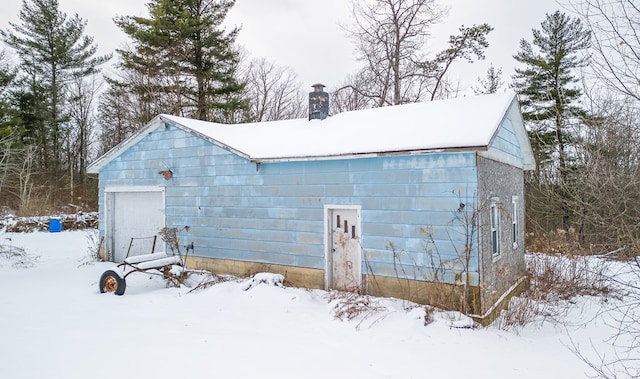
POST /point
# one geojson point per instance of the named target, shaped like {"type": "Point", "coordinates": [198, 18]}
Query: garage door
{"type": "Point", "coordinates": [138, 215]}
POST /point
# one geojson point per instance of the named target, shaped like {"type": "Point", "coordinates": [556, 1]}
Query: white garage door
{"type": "Point", "coordinates": [139, 215]}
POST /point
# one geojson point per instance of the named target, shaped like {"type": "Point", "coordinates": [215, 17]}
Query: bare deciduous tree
{"type": "Point", "coordinates": [131, 100]}
{"type": "Point", "coordinates": [351, 95]}
{"type": "Point", "coordinates": [25, 176]}
{"type": "Point", "coordinates": [16, 172]}
{"type": "Point", "coordinates": [390, 38]}
{"type": "Point", "coordinates": [273, 91]}
{"type": "Point", "coordinates": [82, 122]}
{"type": "Point", "coordinates": [624, 318]}
{"type": "Point", "coordinates": [615, 25]}
{"type": "Point", "coordinates": [114, 113]}
{"type": "Point", "coordinates": [605, 199]}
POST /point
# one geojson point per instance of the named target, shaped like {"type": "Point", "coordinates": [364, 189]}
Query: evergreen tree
{"type": "Point", "coordinates": [550, 100]}
{"type": "Point", "coordinates": [187, 57]}
{"type": "Point", "coordinates": [491, 83]}
{"type": "Point", "coordinates": [53, 50]}
{"type": "Point", "coordinates": [8, 114]}
{"type": "Point", "coordinates": [546, 85]}
{"type": "Point", "coordinates": [468, 45]}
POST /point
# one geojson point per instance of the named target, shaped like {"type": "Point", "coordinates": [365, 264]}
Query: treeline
{"type": "Point", "coordinates": [578, 79]}
{"type": "Point", "coordinates": [58, 111]}
{"type": "Point", "coordinates": [579, 88]}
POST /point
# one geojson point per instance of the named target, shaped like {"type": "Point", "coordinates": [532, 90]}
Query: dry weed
{"type": "Point", "coordinates": [352, 304]}
{"type": "Point", "coordinates": [210, 279]}
{"type": "Point", "coordinates": [558, 241]}
{"type": "Point", "coordinates": [556, 280]}
{"type": "Point", "coordinates": [17, 256]}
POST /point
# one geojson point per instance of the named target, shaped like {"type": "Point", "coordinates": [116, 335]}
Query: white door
{"type": "Point", "coordinates": [138, 215]}
{"type": "Point", "coordinates": [344, 249]}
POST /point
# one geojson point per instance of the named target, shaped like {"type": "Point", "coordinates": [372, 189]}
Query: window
{"type": "Point", "coordinates": [514, 221]}
{"type": "Point", "coordinates": [495, 229]}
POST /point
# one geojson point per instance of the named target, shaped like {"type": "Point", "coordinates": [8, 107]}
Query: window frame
{"type": "Point", "coordinates": [515, 212]}
{"type": "Point", "coordinates": [494, 221]}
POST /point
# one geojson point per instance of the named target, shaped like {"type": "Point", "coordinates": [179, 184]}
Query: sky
{"type": "Point", "coordinates": [305, 36]}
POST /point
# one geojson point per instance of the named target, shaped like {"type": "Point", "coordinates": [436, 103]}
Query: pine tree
{"type": "Point", "coordinates": [53, 50]}
{"type": "Point", "coordinates": [550, 97]}
{"type": "Point", "coordinates": [491, 83]}
{"type": "Point", "coordinates": [187, 57]}
{"type": "Point", "coordinates": [8, 113]}
{"type": "Point", "coordinates": [546, 84]}
{"type": "Point", "coordinates": [468, 45]}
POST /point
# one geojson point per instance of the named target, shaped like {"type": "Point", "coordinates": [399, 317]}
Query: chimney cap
{"type": "Point", "coordinates": [318, 86]}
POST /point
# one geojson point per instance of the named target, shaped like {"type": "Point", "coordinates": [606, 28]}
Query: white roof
{"type": "Point", "coordinates": [462, 123]}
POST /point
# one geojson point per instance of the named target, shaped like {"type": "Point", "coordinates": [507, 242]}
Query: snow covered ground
{"type": "Point", "coordinates": [56, 324]}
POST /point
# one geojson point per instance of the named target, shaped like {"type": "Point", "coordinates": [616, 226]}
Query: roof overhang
{"type": "Point", "coordinates": [217, 137]}
{"type": "Point", "coordinates": [98, 164]}
{"type": "Point", "coordinates": [367, 155]}
{"type": "Point", "coordinates": [515, 114]}
{"type": "Point", "coordinates": [153, 125]}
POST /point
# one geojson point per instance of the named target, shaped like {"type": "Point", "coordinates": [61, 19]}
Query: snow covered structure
{"type": "Point", "coordinates": [421, 201]}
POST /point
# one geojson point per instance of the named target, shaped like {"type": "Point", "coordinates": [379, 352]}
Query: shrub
{"type": "Point", "coordinates": [555, 280]}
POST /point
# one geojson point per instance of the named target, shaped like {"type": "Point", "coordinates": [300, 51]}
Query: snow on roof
{"type": "Point", "coordinates": [462, 123]}
{"type": "Point", "coordinates": [468, 122]}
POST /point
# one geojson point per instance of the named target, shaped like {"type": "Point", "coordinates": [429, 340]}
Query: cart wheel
{"type": "Point", "coordinates": [110, 281]}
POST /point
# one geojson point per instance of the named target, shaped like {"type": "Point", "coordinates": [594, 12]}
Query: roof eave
{"type": "Point", "coordinates": [206, 138]}
{"type": "Point", "coordinates": [373, 154]}
{"type": "Point", "coordinates": [98, 164]}
{"type": "Point", "coordinates": [523, 137]}
{"type": "Point", "coordinates": [513, 109]}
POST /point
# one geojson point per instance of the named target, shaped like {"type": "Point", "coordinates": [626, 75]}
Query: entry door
{"type": "Point", "coordinates": [138, 215]}
{"type": "Point", "coordinates": [344, 249]}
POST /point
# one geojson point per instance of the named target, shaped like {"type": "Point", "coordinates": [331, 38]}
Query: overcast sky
{"type": "Point", "coordinates": [304, 34]}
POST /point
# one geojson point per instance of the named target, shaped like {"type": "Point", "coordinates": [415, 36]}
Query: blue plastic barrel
{"type": "Point", "coordinates": [55, 225]}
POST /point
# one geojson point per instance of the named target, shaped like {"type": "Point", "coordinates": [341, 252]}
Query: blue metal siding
{"type": "Point", "coordinates": [506, 143]}
{"type": "Point", "coordinates": [276, 214]}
